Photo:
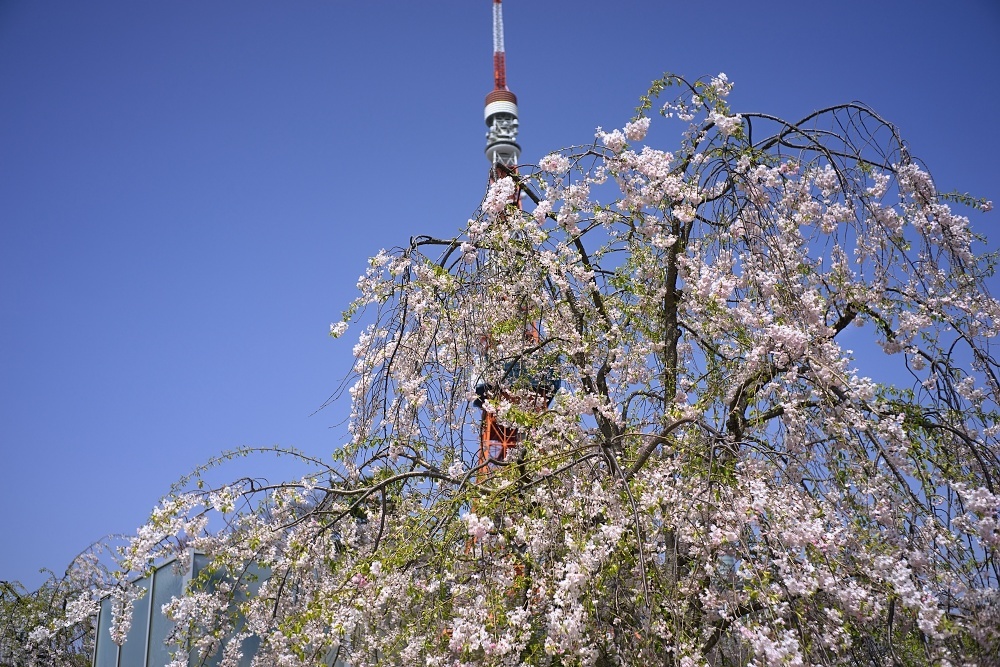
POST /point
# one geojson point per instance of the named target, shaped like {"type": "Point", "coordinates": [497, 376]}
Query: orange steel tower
{"type": "Point", "coordinates": [503, 152]}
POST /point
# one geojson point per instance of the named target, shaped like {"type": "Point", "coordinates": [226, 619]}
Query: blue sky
{"type": "Point", "coordinates": [189, 190]}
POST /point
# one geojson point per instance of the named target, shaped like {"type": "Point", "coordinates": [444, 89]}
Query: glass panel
{"type": "Point", "coordinates": [168, 582]}
{"type": "Point", "coordinates": [107, 650]}
{"type": "Point", "coordinates": [253, 577]}
{"type": "Point", "coordinates": [200, 561]}
{"type": "Point", "coordinates": [134, 648]}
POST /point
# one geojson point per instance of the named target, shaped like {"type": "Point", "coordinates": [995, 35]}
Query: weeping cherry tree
{"type": "Point", "coordinates": [719, 479]}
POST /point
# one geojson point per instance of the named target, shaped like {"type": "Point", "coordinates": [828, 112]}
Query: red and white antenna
{"type": "Point", "coordinates": [501, 104]}
{"type": "Point", "coordinates": [499, 61]}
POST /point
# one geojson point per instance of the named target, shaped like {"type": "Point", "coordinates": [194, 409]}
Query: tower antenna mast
{"type": "Point", "coordinates": [500, 114]}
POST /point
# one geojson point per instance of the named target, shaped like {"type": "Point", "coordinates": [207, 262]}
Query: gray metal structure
{"type": "Point", "coordinates": [145, 645]}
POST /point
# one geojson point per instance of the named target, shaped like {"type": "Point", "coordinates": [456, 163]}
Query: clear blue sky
{"type": "Point", "coordinates": [189, 190]}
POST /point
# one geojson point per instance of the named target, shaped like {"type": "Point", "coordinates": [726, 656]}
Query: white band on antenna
{"type": "Point", "coordinates": [497, 28]}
